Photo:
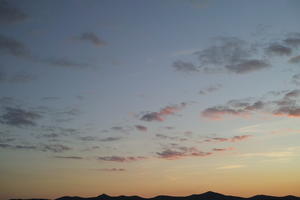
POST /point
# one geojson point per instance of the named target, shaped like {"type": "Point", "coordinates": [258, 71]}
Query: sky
{"type": "Point", "coordinates": [136, 97]}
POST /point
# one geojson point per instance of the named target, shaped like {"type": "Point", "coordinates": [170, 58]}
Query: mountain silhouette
{"type": "Point", "coordinates": [204, 196]}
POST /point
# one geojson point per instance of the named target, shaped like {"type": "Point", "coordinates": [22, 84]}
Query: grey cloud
{"type": "Point", "coordinates": [296, 79]}
{"type": "Point", "coordinates": [88, 138]}
{"type": "Point", "coordinates": [117, 128]}
{"type": "Point", "coordinates": [121, 158]}
{"type": "Point", "coordinates": [64, 62]}
{"type": "Point", "coordinates": [10, 14]}
{"type": "Point", "coordinates": [293, 40]}
{"type": "Point", "coordinates": [19, 77]}
{"type": "Point", "coordinates": [92, 38]}
{"type": "Point", "coordinates": [236, 138]}
{"type": "Point", "coordinates": [222, 149]}
{"type": "Point", "coordinates": [184, 66]}
{"type": "Point", "coordinates": [160, 116]}
{"type": "Point", "coordinates": [295, 60]}
{"type": "Point", "coordinates": [111, 169]}
{"type": "Point", "coordinates": [181, 152]}
{"type": "Point", "coordinates": [55, 148]}
{"type": "Point", "coordinates": [161, 136]}
{"type": "Point", "coordinates": [141, 128]}
{"type": "Point", "coordinates": [13, 47]}
{"type": "Point", "coordinates": [287, 106]}
{"type": "Point", "coordinates": [69, 157]}
{"type": "Point", "coordinates": [248, 66]}
{"type": "Point", "coordinates": [110, 139]}
{"type": "Point", "coordinates": [237, 109]}
{"type": "Point", "coordinates": [228, 50]}
{"type": "Point", "coordinates": [229, 54]}
{"type": "Point", "coordinates": [210, 89]}
{"type": "Point", "coordinates": [278, 50]}
{"type": "Point", "coordinates": [22, 77]}
{"type": "Point", "coordinates": [19, 117]}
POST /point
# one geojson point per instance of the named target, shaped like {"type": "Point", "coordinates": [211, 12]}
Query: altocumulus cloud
{"type": "Point", "coordinates": [287, 106]}
{"type": "Point", "coordinates": [121, 158]}
{"type": "Point", "coordinates": [160, 115]}
{"type": "Point", "coordinates": [19, 117]}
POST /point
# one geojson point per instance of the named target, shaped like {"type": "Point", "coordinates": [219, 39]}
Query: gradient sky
{"type": "Point", "coordinates": [136, 97]}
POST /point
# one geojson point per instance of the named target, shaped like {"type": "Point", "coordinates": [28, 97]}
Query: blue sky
{"type": "Point", "coordinates": [168, 92]}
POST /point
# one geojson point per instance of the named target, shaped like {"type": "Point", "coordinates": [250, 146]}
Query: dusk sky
{"type": "Point", "coordinates": [136, 97]}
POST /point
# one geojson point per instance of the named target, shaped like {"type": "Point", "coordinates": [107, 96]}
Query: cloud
{"type": "Point", "coordinates": [110, 139]}
{"type": "Point", "coordinates": [287, 106]}
{"type": "Point", "coordinates": [179, 152]}
{"type": "Point", "coordinates": [295, 60]}
{"type": "Point", "coordinates": [289, 111]}
{"type": "Point", "coordinates": [94, 138]}
{"type": "Point", "coordinates": [231, 166]}
{"type": "Point", "coordinates": [223, 149]}
{"type": "Point", "coordinates": [293, 40]}
{"type": "Point", "coordinates": [278, 50]}
{"type": "Point", "coordinates": [296, 79]}
{"type": "Point", "coordinates": [63, 62]}
{"type": "Point", "coordinates": [218, 112]}
{"type": "Point", "coordinates": [10, 14]}
{"type": "Point", "coordinates": [92, 38]}
{"type": "Point", "coordinates": [121, 158]}
{"type": "Point", "coordinates": [161, 136]}
{"type": "Point", "coordinates": [184, 66]}
{"type": "Point", "coordinates": [13, 47]}
{"type": "Point", "coordinates": [69, 157]}
{"type": "Point", "coordinates": [19, 117]}
{"type": "Point", "coordinates": [246, 66]}
{"type": "Point", "coordinates": [278, 154]}
{"type": "Point", "coordinates": [236, 138]}
{"type": "Point", "coordinates": [54, 148]}
{"type": "Point", "coordinates": [19, 77]}
{"type": "Point", "coordinates": [112, 169]}
{"type": "Point", "coordinates": [160, 116]}
{"type": "Point", "coordinates": [228, 50]}
{"type": "Point", "coordinates": [88, 138]}
{"type": "Point", "coordinates": [117, 128]}
{"type": "Point", "coordinates": [235, 108]}
{"type": "Point", "coordinates": [210, 89]}
{"type": "Point", "coordinates": [141, 128]}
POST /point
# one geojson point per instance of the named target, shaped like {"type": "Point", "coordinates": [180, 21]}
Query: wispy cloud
{"type": "Point", "coordinates": [19, 117]}
{"type": "Point", "coordinates": [278, 50]}
{"type": "Point", "coordinates": [141, 128]}
{"type": "Point", "coordinates": [179, 152]}
{"type": "Point", "coordinates": [121, 158]}
{"type": "Point", "coordinates": [111, 169]}
{"type": "Point", "coordinates": [231, 167]}
{"type": "Point", "coordinates": [236, 138]}
{"type": "Point", "coordinates": [276, 154]}
{"type": "Point", "coordinates": [92, 38]}
{"type": "Point", "coordinates": [160, 116]}
{"type": "Point", "coordinates": [69, 157]}
{"type": "Point", "coordinates": [210, 89]}
{"type": "Point", "coordinates": [13, 47]}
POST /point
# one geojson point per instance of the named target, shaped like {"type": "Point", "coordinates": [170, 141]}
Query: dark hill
{"type": "Point", "coordinates": [205, 196]}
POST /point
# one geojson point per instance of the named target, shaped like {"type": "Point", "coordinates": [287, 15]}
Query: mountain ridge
{"type": "Point", "coordinates": [210, 195]}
